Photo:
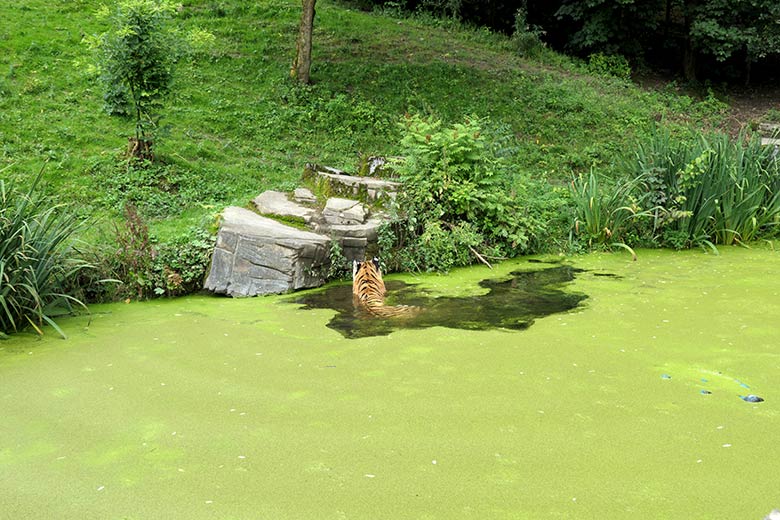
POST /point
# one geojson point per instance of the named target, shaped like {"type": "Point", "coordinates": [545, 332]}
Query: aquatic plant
{"type": "Point", "coordinates": [603, 216]}
{"type": "Point", "coordinates": [710, 189]}
{"type": "Point", "coordinates": [36, 259]}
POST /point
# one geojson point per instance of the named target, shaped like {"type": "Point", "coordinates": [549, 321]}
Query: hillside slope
{"type": "Point", "coordinates": [235, 124]}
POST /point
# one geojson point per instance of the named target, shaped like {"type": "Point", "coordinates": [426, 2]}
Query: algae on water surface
{"type": "Point", "coordinates": [208, 407]}
{"type": "Point", "coordinates": [511, 302]}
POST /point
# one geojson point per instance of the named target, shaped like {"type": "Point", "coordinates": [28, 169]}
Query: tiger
{"type": "Point", "coordinates": [368, 292]}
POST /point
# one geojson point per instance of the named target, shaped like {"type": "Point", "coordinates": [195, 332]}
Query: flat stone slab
{"type": "Point", "coordinates": [344, 211]}
{"type": "Point", "coordinates": [304, 195]}
{"type": "Point", "coordinates": [367, 231]}
{"type": "Point", "coordinates": [256, 255]}
{"type": "Point", "coordinates": [349, 185]}
{"type": "Point", "coordinates": [277, 203]}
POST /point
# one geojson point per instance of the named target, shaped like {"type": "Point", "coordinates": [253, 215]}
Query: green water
{"type": "Point", "coordinates": [510, 302]}
{"type": "Point", "coordinates": [254, 409]}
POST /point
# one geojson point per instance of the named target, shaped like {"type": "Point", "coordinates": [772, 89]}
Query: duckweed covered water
{"type": "Point", "coordinates": [216, 408]}
{"type": "Point", "coordinates": [511, 302]}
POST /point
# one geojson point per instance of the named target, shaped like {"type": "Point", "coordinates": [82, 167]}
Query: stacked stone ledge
{"type": "Point", "coordinates": [257, 255]}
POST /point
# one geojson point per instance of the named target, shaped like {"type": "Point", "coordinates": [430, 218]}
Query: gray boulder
{"type": "Point", "coordinates": [256, 255]}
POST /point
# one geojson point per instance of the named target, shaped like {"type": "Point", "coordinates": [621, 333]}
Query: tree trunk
{"type": "Point", "coordinates": [689, 50]}
{"type": "Point", "coordinates": [689, 60]}
{"type": "Point", "coordinates": [302, 62]}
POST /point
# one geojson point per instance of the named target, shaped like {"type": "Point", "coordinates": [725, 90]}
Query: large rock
{"type": "Point", "coordinates": [256, 255]}
{"type": "Point", "coordinates": [355, 239]}
{"type": "Point", "coordinates": [305, 196]}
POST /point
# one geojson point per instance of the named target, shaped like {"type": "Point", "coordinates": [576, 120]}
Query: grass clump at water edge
{"type": "Point", "coordinates": [37, 259]}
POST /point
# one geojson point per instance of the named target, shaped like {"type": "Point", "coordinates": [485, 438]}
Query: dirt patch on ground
{"type": "Point", "coordinates": [750, 106]}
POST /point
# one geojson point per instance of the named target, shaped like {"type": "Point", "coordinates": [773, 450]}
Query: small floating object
{"type": "Point", "coordinates": [665, 376]}
{"type": "Point", "coordinates": [705, 380]}
{"type": "Point", "coordinates": [705, 392]}
{"type": "Point", "coordinates": [751, 398]}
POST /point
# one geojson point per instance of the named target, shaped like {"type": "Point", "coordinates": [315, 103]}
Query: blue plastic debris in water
{"type": "Point", "coordinates": [751, 398]}
{"type": "Point", "coordinates": [705, 392]}
{"type": "Point", "coordinates": [665, 376]}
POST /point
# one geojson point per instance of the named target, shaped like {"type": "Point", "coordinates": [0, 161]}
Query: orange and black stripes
{"type": "Point", "coordinates": [368, 292]}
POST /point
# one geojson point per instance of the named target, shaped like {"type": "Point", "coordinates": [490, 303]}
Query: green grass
{"type": "Point", "coordinates": [236, 126]}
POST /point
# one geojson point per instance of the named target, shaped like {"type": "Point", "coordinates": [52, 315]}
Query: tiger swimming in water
{"type": "Point", "coordinates": [368, 292]}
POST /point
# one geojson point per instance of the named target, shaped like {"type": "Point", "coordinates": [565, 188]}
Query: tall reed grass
{"type": "Point", "coordinates": [604, 215]}
{"type": "Point", "coordinates": [710, 189]}
{"type": "Point", "coordinates": [36, 259]}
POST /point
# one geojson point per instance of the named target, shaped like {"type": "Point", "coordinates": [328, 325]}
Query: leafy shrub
{"type": "Point", "coordinates": [339, 267]}
{"type": "Point", "coordinates": [149, 269]}
{"type": "Point", "coordinates": [137, 57]}
{"type": "Point", "coordinates": [181, 264]}
{"type": "Point", "coordinates": [456, 199]}
{"type": "Point", "coordinates": [37, 259]}
{"type": "Point", "coordinates": [526, 38]}
{"type": "Point", "coordinates": [609, 65]}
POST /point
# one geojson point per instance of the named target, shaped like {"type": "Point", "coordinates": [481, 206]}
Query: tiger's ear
{"type": "Point", "coordinates": [375, 261]}
{"type": "Point", "coordinates": [355, 267]}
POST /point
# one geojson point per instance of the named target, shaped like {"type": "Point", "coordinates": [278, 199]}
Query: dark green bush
{"type": "Point", "coordinates": [149, 269]}
{"type": "Point", "coordinates": [609, 65]}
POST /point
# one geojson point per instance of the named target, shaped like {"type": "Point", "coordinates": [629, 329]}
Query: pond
{"type": "Point", "coordinates": [624, 403]}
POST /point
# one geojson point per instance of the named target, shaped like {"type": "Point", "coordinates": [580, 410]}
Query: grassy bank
{"type": "Point", "coordinates": [236, 126]}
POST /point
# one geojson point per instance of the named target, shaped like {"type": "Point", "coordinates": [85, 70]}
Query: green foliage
{"type": "Point", "coordinates": [773, 115]}
{"type": "Point", "coordinates": [609, 65]}
{"type": "Point", "coordinates": [456, 196]}
{"type": "Point", "coordinates": [136, 60]}
{"type": "Point", "coordinates": [713, 31]}
{"type": "Point", "coordinates": [603, 216]}
{"type": "Point", "coordinates": [147, 269]}
{"type": "Point", "coordinates": [181, 265]}
{"type": "Point", "coordinates": [238, 127]}
{"type": "Point", "coordinates": [709, 189]}
{"type": "Point", "coordinates": [611, 26]}
{"type": "Point", "coordinates": [339, 267]}
{"type": "Point", "coordinates": [37, 259]}
{"type": "Point", "coordinates": [725, 28]}
{"type": "Point", "coordinates": [157, 189]}
{"type": "Point", "coordinates": [527, 38]}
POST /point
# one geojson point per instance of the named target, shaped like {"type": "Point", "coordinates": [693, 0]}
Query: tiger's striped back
{"type": "Point", "coordinates": [368, 292]}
